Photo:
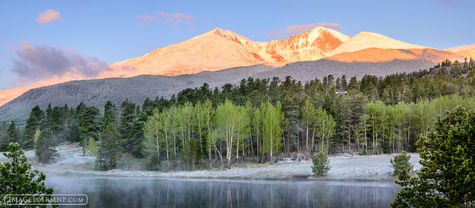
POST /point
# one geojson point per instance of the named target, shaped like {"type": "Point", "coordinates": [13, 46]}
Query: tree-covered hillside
{"type": "Point", "coordinates": [261, 119]}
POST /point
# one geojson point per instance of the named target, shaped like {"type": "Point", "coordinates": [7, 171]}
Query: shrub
{"type": "Point", "coordinates": [401, 163]}
{"type": "Point", "coordinates": [320, 164]}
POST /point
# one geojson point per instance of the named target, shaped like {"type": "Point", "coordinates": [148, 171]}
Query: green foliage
{"type": "Point", "coordinates": [17, 177]}
{"type": "Point", "coordinates": [73, 126]}
{"type": "Point", "coordinates": [231, 123]}
{"type": "Point", "coordinates": [309, 119]}
{"type": "Point", "coordinates": [447, 159]}
{"type": "Point", "coordinates": [320, 164]}
{"type": "Point", "coordinates": [92, 147]}
{"type": "Point", "coordinates": [127, 116]}
{"type": "Point", "coordinates": [109, 150]}
{"type": "Point", "coordinates": [36, 137]}
{"type": "Point", "coordinates": [259, 119]}
{"type": "Point", "coordinates": [3, 137]}
{"type": "Point", "coordinates": [56, 122]}
{"type": "Point", "coordinates": [110, 114]}
{"type": "Point", "coordinates": [272, 130]}
{"type": "Point", "coordinates": [32, 125]}
{"type": "Point", "coordinates": [401, 163]}
{"type": "Point", "coordinates": [44, 148]}
{"type": "Point", "coordinates": [12, 133]}
{"type": "Point", "coordinates": [325, 128]}
{"type": "Point", "coordinates": [90, 124]}
{"type": "Point", "coordinates": [138, 134]}
{"type": "Point", "coordinates": [155, 129]}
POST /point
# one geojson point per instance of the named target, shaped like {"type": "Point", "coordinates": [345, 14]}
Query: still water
{"type": "Point", "coordinates": [152, 192]}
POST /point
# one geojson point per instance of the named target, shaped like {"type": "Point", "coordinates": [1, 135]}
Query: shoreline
{"type": "Point", "coordinates": [104, 174]}
{"type": "Point", "coordinates": [364, 168]}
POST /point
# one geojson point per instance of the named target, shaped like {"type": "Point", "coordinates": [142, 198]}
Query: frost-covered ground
{"type": "Point", "coordinates": [70, 157]}
{"type": "Point", "coordinates": [344, 167]}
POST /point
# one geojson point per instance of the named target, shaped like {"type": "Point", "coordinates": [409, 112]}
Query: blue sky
{"type": "Point", "coordinates": [116, 30]}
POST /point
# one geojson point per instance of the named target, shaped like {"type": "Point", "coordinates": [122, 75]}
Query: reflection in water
{"type": "Point", "coordinates": [149, 192]}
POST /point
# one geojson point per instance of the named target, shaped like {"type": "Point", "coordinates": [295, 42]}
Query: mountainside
{"type": "Point", "coordinates": [466, 50]}
{"type": "Point", "coordinates": [307, 46]}
{"type": "Point", "coordinates": [365, 40]}
{"type": "Point", "coordinates": [211, 51]}
{"type": "Point", "coordinates": [219, 49]}
{"type": "Point", "coordinates": [136, 89]}
{"type": "Point", "coordinates": [9, 94]}
{"type": "Point", "coordinates": [375, 55]}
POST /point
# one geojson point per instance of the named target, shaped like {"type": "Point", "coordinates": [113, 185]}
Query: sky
{"type": "Point", "coordinates": [36, 37]}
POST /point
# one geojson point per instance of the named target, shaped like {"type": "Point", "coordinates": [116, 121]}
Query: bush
{"type": "Point", "coordinates": [401, 163]}
{"type": "Point", "coordinates": [320, 164]}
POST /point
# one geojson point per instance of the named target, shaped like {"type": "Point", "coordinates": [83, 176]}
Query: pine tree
{"type": "Point", "coordinates": [73, 126]}
{"type": "Point", "coordinates": [55, 122]}
{"type": "Point", "coordinates": [401, 164]}
{"type": "Point", "coordinates": [4, 141]}
{"type": "Point", "coordinates": [127, 117]}
{"type": "Point", "coordinates": [320, 164]}
{"type": "Point", "coordinates": [138, 133]}
{"type": "Point", "coordinates": [109, 150]}
{"type": "Point", "coordinates": [17, 177]}
{"type": "Point", "coordinates": [110, 114]}
{"type": "Point", "coordinates": [44, 149]}
{"type": "Point", "coordinates": [12, 133]}
{"type": "Point", "coordinates": [90, 123]}
{"type": "Point", "coordinates": [447, 159]}
{"type": "Point", "coordinates": [32, 124]}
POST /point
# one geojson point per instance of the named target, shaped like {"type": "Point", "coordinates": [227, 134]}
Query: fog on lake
{"type": "Point", "coordinates": [153, 192]}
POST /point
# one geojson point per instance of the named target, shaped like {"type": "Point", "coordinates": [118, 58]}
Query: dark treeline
{"type": "Point", "coordinates": [258, 120]}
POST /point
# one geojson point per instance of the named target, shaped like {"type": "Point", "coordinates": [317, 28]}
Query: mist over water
{"type": "Point", "coordinates": [152, 192]}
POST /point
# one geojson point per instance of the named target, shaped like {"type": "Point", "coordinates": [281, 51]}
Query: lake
{"type": "Point", "coordinates": [158, 192]}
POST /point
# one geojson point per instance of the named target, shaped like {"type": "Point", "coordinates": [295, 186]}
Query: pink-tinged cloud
{"type": "Point", "coordinates": [49, 16]}
{"type": "Point", "coordinates": [36, 63]}
{"type": "Point", "coordinates": [302, 28]}
{"type": "Point", "coordinates": [174, 19]}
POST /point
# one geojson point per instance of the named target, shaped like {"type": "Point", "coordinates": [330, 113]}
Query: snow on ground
{"type": "Point", "coordinates": [344, 167]}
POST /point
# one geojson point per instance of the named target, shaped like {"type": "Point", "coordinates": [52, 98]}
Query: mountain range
{"type": "Point", "coordinates": [220, 49]}
{"type": "Point", "coordinates": [308, 55]}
